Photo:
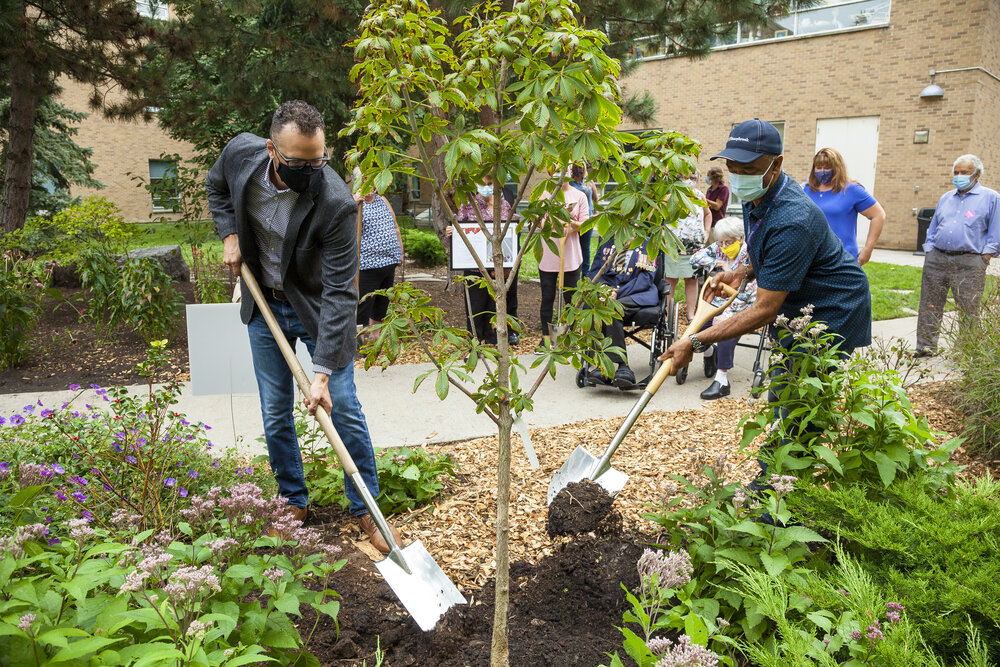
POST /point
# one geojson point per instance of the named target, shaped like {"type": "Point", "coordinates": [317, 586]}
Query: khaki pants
{"type": "Point", "coordinates": [964, 274]}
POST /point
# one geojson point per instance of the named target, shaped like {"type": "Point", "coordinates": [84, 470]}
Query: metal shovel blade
{"type": "Point", "coordinates": [426, 591]}
{"type": "Point", "coordinates": [581, 465]}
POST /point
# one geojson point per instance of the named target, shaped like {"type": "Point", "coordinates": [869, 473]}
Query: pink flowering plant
{"type": "Point", "coordinates": [117, 452]}
{"type": "Point", "coordinates": [213, 592]}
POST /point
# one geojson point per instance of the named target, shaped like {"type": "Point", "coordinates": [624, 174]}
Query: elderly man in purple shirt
{"type": "Point", "coordinates": [963, 237]}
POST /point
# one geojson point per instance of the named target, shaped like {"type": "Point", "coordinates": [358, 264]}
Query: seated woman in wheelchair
{"type": "Point", "coordinates": [725, 254]}
{"type": "Point", "coordinates": [631, 276]}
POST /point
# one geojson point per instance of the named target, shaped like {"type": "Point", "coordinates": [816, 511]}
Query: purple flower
{"type": "Point", "coordinates": [892, 616]}
{"type": "Point", "coordinates": [169, 481]}
{"type": "Point", "coordinates": [856, 635]}
{"type": "Point", "coordinates": [29, 409]}
{"type": "Point", "coordinates": [79, 497]}
{"type": "Point", "coordinates": [182, 492]}
{"type": "Point", "coordinates": [193, 474]}
{"type": "Point", "coordinates": [53, 540]}
{"type": "Point", "coordinates": [60, 496]}
{"type": "Point", "coordinates": [2, 421]}
{"type": "Point", "coordinates": [16, 420]}
{"type": "Point", "coordinates": [74, 387]}
{"type": "Point", "coordinates": [874, 632]}
{"type": "Point", "coordinates": [87, 515]}
{"type": "Point", "coordinates": [47, 413]}
{"type": "Point", "coordinates": [130, 458]}
{"type": "Point", "coordinates": [94, 386]}
{"type": "Point", "coordinates": [215, 463]}
{"type": "Point", "coordinates": [895, 606]}
{"type": "Point", "coordinates": [58, 468]}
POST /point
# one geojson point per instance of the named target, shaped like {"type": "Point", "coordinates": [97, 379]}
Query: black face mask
{"type": "Point", "coordinates": [300, 180]}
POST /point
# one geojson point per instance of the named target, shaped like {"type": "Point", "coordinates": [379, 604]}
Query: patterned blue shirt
{"type": "Point", "coordinates": [379, 242]}
{"type": "Point", "coordinates": [792, 249]}
{"type": "Point", "coordinates": [966, 223]}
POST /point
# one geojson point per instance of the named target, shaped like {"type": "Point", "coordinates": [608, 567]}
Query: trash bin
{"type": "Point", "coordinates": [924, 216]}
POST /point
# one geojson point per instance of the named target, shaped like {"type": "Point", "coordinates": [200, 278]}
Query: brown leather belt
{"type": "Point", "coordinates": [275, 294]}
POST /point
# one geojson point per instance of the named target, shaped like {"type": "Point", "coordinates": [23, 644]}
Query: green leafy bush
{"type": "Point", "coordinates": [843, 420]}
{"type": "Point", "coordinates": [94, 223]}
{"type": "Point", "coordinates": [139, 295]}
{"type": "Point", "coordinates": [974, 351]}
{"type": "Point", "coordinates": [424, 247]}
{"type": "Point", "coordinates": [211, 592]}
{"type": "Point", "coordinates": [22, 286]}
{"type": "Point", "coordinates": [935, 553]}
{"type": "Point", "coordinates": [210, 276]}
{"type": "Point", "coordinates": [407, 477]}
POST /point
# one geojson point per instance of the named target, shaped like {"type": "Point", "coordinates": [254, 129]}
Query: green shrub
{"type": "Point", "coordinates": [407, 477]}
{"type": "Point", "coordinates": [974, 349]}
{"type": "Point", "coordinates": [22, 286]}
{"type": "Point", "coordinates": [94, 223]}
{"type": "Point", "coordinates": [845, 421]}
{"type": "Point", "coordinates": [935, 553]}
{"type": "Point", "coordinates": [210, 276]}
{"type": "Point", "coordinates": [424, 247]}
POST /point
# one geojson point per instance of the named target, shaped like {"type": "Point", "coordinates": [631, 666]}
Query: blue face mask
{"type": "Point", "coordinates": [824, 176]}
{"type": "Point", "coordinates": [485, 190]}
{"type": "Point", "coordinates": [962, 181]}
{"type": "Point", "coordinates": [749, 187]}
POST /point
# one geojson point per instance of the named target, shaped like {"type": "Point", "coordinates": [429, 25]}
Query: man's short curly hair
{"type": "Point", "coordinates": [306, 118]}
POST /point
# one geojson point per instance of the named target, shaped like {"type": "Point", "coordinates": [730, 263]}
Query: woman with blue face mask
{"type": "Point", "coordinates": [841, 200]}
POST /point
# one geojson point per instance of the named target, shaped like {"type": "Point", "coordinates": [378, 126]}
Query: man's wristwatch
{"type": "Point", "coordinates": [696, 345]}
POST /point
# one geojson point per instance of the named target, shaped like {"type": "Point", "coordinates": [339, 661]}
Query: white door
{"type": "Point", "coordinates": [857, 140]}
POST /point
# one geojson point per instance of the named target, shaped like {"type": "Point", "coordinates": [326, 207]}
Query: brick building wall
{"type": "Point", "coordinates": [121, 148]}
{"type": "Point", "coordinates": [874, 71]}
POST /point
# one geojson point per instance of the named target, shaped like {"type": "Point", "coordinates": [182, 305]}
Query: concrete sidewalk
{"type": "Point", "coordinates": [396, 416]}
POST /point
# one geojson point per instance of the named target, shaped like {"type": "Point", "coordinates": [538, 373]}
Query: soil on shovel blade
{"type": "Point", "coordinates": [580, 508]}
{"type": "Point", "coordinates": [563, 612]}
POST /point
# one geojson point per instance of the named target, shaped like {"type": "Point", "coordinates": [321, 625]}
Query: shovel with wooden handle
{"type": "Point", "coordinates": [419, 583]}
{"type": "Point", "coordinates": [582, 464]}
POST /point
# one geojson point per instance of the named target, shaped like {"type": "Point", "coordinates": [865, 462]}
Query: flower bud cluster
{"type": "Point", "coordinates": [671, 570]}
{"type": "Point", "coordinates": [682, 653]}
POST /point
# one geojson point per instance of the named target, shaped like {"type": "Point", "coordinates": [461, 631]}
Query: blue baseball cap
{"type": "Point", "coordinates": [751, 139]}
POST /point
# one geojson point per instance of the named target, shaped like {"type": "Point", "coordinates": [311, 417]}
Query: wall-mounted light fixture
{"type": "Point", "coordinates": [936, 92]}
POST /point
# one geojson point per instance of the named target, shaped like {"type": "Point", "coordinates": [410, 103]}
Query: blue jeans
{"type": "Point", "coordinates": [277, 399]}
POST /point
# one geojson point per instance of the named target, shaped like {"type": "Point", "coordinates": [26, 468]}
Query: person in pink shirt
{"type": "Point", "coordinates": [548, 265]}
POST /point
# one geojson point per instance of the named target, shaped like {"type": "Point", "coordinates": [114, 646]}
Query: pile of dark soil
{"type": "Point", "coordinates": [563, 612]}
{"type": "Point", "coordinates": [580, 508]}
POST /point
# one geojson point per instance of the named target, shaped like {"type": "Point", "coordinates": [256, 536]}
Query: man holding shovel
{"type": "Point", "coordinates": [795, 257]}
{"type": "Point", "coordinates": [279, 207]}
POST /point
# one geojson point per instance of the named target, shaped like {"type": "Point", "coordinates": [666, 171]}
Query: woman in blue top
{"type": "Point", "coordinates": [841, 199]}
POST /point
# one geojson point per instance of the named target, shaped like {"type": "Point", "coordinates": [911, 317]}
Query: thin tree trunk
{"type": "Point", "coordinates": [499, 652]}
{"type": "Point", "coordinates": [20, 147]}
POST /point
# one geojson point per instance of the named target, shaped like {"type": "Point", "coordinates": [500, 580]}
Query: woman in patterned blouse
{"type": "Point", "coordinates": [381, 251]}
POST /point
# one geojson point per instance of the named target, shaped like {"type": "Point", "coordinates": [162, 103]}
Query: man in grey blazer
{"type": "Point", "coordinates": [279, 207]}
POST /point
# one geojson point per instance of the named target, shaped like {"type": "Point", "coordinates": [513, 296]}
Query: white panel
{"type": "Point", "coordinates": [857, 140]}
{"type": "Point", "coordinates": [219, 351]}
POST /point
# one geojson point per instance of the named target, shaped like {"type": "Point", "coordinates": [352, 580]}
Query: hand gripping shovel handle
{"type": "Point", "coordinates": [322, 417]}
{"type": "Point", "coordinates": [703, 314]}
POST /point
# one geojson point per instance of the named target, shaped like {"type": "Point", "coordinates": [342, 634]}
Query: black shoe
{"type": "Point", "coordinates": [513, 338]}
{"type": "Point", "coordinates": [624, 377]}
{"type": "Point", "coordinates": [924, 352]}
{"type": "Point", "coordinates": [714, 391]}
{"type": "Point", "coordinates": [711, 362]}
{"type": "Point", "coordinates": [594, 377]}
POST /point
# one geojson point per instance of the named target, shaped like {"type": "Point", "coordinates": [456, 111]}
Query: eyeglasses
{"type": "Point", "coordinates": [295, 164]}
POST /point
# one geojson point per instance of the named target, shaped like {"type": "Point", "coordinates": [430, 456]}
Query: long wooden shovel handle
{"type": "Point", "coordinates": [703, 314]}
{"type": "Point", "coordinates": [300, 375]}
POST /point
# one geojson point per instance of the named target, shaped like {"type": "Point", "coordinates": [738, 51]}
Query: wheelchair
{"type": "Point", "coordinates": [661, 323]}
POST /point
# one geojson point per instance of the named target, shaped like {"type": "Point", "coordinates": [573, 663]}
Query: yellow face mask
{"type": "Point", "coordinates": [732, 250]}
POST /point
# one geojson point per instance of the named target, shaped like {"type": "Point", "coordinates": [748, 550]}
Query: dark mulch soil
{"type": "Point", "coordinates": [562, 612]}
{"type": "Point", "coordinates": [67, 351]}
{"type": "Point", "coordinates": [580, 508]}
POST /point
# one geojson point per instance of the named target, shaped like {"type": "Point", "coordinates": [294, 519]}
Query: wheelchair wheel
{"type": "Point", "coordinates": [671, 322]}
{"type": "Point", "coordinates": [581, 377]}
{"type": "Point", "coordinates": [682, 375]}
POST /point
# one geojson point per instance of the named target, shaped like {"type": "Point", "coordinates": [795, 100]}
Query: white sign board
{"type": "Point", "coordinates": [461, 258]}
{"type": "Point", "coordinates": [219, 351]}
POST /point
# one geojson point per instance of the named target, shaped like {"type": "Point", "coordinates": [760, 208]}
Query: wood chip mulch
{"type": "Point", "coordinates": [460, 532]}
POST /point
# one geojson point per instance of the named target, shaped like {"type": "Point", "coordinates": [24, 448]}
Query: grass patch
{"type": "Point", "coordinates": [174, 233]}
